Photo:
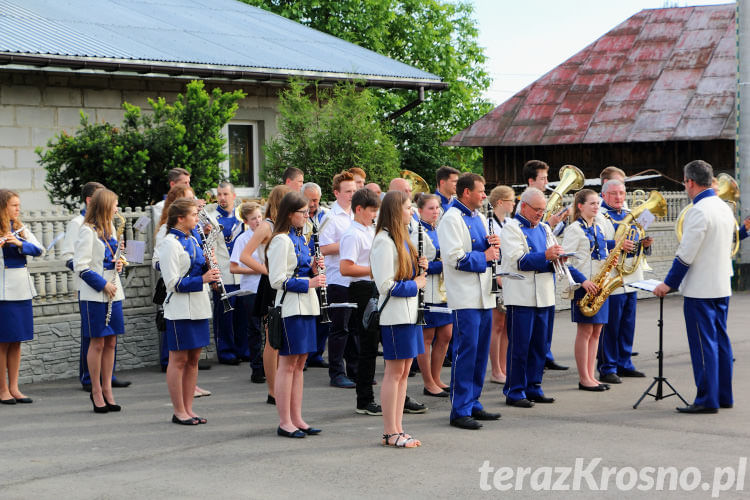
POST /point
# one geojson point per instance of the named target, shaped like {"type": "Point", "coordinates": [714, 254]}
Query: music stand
{"type": "Point", "coordinates": [659, 381]}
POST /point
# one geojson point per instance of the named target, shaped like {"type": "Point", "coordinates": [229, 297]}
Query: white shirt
{"type": "Point", "coordinates": [247, 281]}
{"type": "Point", "coordinates": [355, 246]}
{"type": "Point", "coordinates": [335, 223]}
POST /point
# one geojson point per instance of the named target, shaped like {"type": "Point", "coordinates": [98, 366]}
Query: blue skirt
{"type": "Point", "coordinates": [602, 316]}
{"type": "Point", "coordinates": [401, 341]}
{"type": "Point", "coordinates": [93, 316]}
{"type": "Point", "coordinates": [436, 319]}
{"type": "Point", "coordinates": [17, 321]}
{"type": "Point", "coordinates": [184, 334]}
{"type": "Point", "coordinates": [298, 335]}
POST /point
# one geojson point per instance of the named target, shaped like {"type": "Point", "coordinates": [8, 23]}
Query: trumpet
{"type": "Point", "coordinates": [560, 268]}
{"type": "Point", "coordinates": [209, 250]}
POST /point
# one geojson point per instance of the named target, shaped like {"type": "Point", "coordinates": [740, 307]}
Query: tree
{"type": "Point", "coordinates": [433, 35]}
{"type": "Point", "coordinates": [325, 131]}
{"type": "Point", "coordinates": [133, 160]}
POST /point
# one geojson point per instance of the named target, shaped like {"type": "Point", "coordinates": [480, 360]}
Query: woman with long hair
{"type": "Point", "coordinates": [266, 295]}
{"type": "Point", "coordinates": [439, 327]}
{"type": "Point", "coordinates": [16, 291]}
{"type": "Point", "coordinates": [502, 199]}
{"type": "Point", "coordinates": [99, 286]}
{"type": "Point", "coordinates": [187, 307]}
{"type": "Point", "coordinates": [293, 273]}
{"type": "Point", "coordinates": [585, 239]}
{"type": "Point", "coordinates": [394, 264]}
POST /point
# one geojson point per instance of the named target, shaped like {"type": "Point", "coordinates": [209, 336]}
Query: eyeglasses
{"type": "Point", "coordinates": [537, 210]}
{"type": "Point", "coordinates": [512, 200]}
{"type": "Point", "coordinates": [303, 212]}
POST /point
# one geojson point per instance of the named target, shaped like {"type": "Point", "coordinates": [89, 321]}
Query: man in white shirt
{"type": "Point", "coordinates": [294, 178]}
{"type": "Point", "coordinates": [175, 177]}
{"type": "Point", "coordinates": [356, 243]}
{"type": "Point", "coordinates": [341, 346]}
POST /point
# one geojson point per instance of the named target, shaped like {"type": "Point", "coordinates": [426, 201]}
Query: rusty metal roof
{"type": "Point", "coordinates": [661, 75]}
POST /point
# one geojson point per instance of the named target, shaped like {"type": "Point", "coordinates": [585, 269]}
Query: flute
{"type": "Point", "coordinates": [420, 292]}
{"type": "Point", "coordinates": [116, 257]}
{"type": "Point", "coordinates": [323, 289]}
{"type": "Point", "coordinates": [16, 233]}
{"type": "Point", "coordinates": [491, 230]}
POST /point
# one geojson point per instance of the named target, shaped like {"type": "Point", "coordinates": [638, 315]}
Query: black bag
{"type": "Point", "coordinates": [161, 322]}
{"type": "Point", "coordinates": [371, 316]}
{"type": "Point", "coordinates": [275, 325]}
{"type": "Point", "coordinates": [160, 292]}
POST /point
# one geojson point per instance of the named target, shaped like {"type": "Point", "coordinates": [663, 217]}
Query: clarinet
{"type": "Point", "coordinates": [420, 294]}
{"type": "Point", "coordinates": [209, 243]}
{"type": "Point", "coordinates": [323, 289]}
{"type": "Point", "coordinates": [495, 286]}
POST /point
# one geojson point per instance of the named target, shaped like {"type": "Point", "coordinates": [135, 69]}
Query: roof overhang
{"type": "Point", "coordinates": [235, 74]}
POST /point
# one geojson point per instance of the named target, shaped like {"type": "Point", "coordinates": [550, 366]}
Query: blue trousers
{"type": "Point", "coordinates": [710, 350]}
{"type": "Point", "coordinates": [83, 367]}
{"type": "Point", "coordinates": [471, 347]}
{"type": "Point", "coordinates": [528, 331]}
{"type": "Point", "coordinates": [548, 339]}
{"type": "Point", "coordinates": [254, 334]}
{"type": "Point", "coordinates": [321, 336]}
{"type": "Point", "coordinates": [616, 341]}
{"type": "Point", "coordinates": [229, 328]}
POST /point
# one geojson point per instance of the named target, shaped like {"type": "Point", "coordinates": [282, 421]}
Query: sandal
{"type": "Point", "coordinates": [401, 441]}
{"type": "Point", "coordinates": [200, 420]}
{"type": "Point", "coordinates": [410, 437]}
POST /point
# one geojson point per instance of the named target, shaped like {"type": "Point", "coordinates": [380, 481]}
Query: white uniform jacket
{"type": "Point", "coordinates": [174, 264]}
{"type": "Point", "coordinates": [470, 288]}
{"type": "Point", "coordinates": [89, 258]}
{"type": "Point", "coordinates": [538, 289]}
{"type": "Point", "coordinates": [15, 281]}
{"type": "Point", "coordinates": [285, 275]}
{"type": "Point", "coordinates": [160, 234]}
{"type": "Point", "coordinates": [576, 241]}
{"type": "Point", "coordinates": [704, 254]}
{"type": "Point", "coordinates": [401, 308]}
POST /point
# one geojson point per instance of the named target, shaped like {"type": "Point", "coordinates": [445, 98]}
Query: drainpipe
{"type": "Point", "coordinates": [410, 106]}
{"type": "Point", "coordinates": [742, 164]}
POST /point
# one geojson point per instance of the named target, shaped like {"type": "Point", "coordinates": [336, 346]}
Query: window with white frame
{"type": "Point", "coordinates": [242, 149]}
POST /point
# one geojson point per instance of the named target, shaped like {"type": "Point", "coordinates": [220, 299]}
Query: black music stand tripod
{"type": "Point", "coordinates": [661, 379]}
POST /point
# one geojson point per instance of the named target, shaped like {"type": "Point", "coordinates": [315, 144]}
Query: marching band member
{"type": "Point", "coordinates": [100, 291]}
{"type": "Point", "coordinates": [744, 228]}
{"type": "Point", "coordinates": [249, 279]}
{"type": "Point", "coordinates": [502, 200]}
{"type": "Point", "coordinates": [16, 291]}
{"type": "Point", "coordinates": [293, 273]}
{"type": "Point", "coordinates": [616, 340]}
{"type": "Point", "coordinates": [186, 308]}
{"type": "Point", "coordinates": [530, 302]}
{"type": "Point", "coordinates": [266, 295]}
{"type": "Point", "coordinates": [293, 178]}
{"type": "Point", "coordinates": [230, 327]}
{"type": "Point", "coordinates": [359, 177]}
{"type": "Point", "coordinates": [702, 270]}
{"type": "Point", "coordinates": [585, 239]}
{"type": "Point", "coordinates": [375, 188]}
{"type": "Point", "coordinates": [394, 265]}
{"type": "Point", "coordinates": [354, 250]}
{"type": "Point", "coordinates": [312, 192]}
{"type": "Point", "coordinates": [445, 179]}
{"type": "Point", "coordinates": [439, 327]}
{"type": "Point", "coordinates": [175, 177]}
{"type": "Point", "coordinates": [536, 173]}
{"type": "Point", "coordinates": [67, 249]}
{"type": "Point", "coordinates": [341, 346]}
{"type": "Point", "coordinates": [467, 251]}
{"type": "Point", "coordinates": [401, 184]}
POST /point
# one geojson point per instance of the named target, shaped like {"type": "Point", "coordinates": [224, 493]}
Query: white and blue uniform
{"type": "Point", "coordinates": [445, 203]}
{"type": "Point", "coordinates": [17, 288]}
{"type": "Point", "coordinates": [530, 305]}
{"type": "Point", "coordinates": [433, 294]}
{"type": "Point", "coordinates": [289, 272]}
{"type": "Point", "coordinates": [187, 306]}
{"type": "Point", "coordinates": [702, 271]}
{"type": "Point", "coordinates": [590, 247]}
{"type": "Point", "coordinates": [321, 329]}
{"type": "Point", "coordinates": [463, 240]}
{"type": "Point", "coordinates": [93, 261]}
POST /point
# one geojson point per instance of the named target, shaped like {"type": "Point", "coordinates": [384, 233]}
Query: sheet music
{"type": "Point", "coordinates": [647, 285]}
{"type": "Point", "coordinates": [142, 223]}
{"type": "Point", "coordinates": [646, 219]}
{"type": "Point", "coordinates": [135, 251]}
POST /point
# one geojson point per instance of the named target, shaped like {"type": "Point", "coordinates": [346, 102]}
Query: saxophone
{"type": "Point", "coordinates": [590, 304]}
{"type": "Point", "coordinates": [117, 256]}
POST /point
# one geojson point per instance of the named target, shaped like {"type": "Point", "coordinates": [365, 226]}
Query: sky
{"type": "Point", "coordinates": [524, 39]}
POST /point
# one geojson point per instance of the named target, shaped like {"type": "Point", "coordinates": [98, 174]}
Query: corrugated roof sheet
{"type": "Point", "coordinates": [663, 74]}
{"type": "Point", "coordinates": [192, 32]}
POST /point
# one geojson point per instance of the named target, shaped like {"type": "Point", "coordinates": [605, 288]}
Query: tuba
{"type": "Point", "coordinates": [418, 184]}
{"type": "Point", "coordinates": [728, 191]}
{"type": "Point", "coordinates": [571, 178]}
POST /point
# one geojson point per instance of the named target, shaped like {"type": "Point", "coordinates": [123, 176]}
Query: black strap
{"type": "Point", "coordinates": [166, 301]}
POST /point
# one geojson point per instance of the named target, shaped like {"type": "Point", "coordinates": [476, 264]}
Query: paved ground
{"type": "Point", "coordinates": [58, 448]}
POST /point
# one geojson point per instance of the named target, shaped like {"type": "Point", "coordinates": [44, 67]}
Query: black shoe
{"type": "Point", "coordinates": [187, 421]}
{"type": "Point", "coordinates": [318, 363]}
{"type": "Point", "coordinates": [413, 406]}
{"type": "Point", "coordinates": [111, 407]}
{"type": "Point", "coordinates": [551, 365]}
{"type": "Point", "coordinates": [595, 388]}
{"type": "Point", "coordinates": [230, 362]}
{"type": "Point", "coordinates": [696, 409]}
{"type": "Point", "coordinates": [371, 409]}
{"type": "Point", "coordinates": [297, 433]}
{"type": "Point", "coordinates": [466, 423]}
{"type": "Point", "coordinates": [120, 384]}
{"type": "Point", "coordinates": [270, 400]}
{"type": "Point", "coordinates": [610, 378]}
{"type": "Point", "coordinates": [447, 363]}
{"type": "Point", "coordinates": [10, 401]}
{"type": "Point", "coordinates": [606, 386]}
{"type": "Point", "coordinates": [520, 403]}
{"type": "Point", "coordinates": [164, 368]}
{"type": "Point", "coordinates": [726, 405]}
{"type": "Point", "coordinates": [257, 377]}
{"type": "Point", "coordinates": [541, 399]}
{"type": "Point", "coordinates": [86, 387]}
{"type": "Point", "coordinates": [633, 354]}
{"type": "Point", "coordinates": [24, 400]}
{"type": "Point", "coordinates": [311, 431]}
{"type": "Point", "coordinates": [204, 365]}
{"type": "Point", "coordinates": [484, 415]}
{"type": "Point", "coordinates": [441, 394]}
{"type": "Point", "coordinates": [630, 373]}
{"type": "Point", "coordinates": [98, 409]}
